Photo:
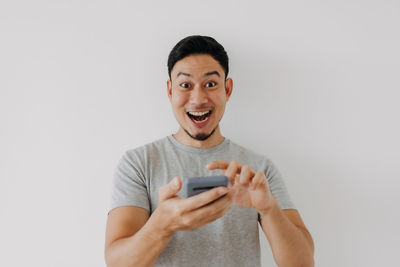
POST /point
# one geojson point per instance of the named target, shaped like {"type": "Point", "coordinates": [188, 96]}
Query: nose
{"type": "Point", "coordinates": [198, 96]}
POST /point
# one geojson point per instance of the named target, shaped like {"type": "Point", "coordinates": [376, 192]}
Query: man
{"type": "Point", "coordinates": [150, 224]}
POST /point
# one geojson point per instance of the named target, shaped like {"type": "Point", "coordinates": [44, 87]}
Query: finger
{"type": "Point", "coordinates": [258, 179]}
{"type": "Point", "coordinates": [233, 169]}
{"type": "Point", "coordinates": [212, 211]}
{"type": "Point", "coordinates": [218, 164]}
{"type": "Point", "coordinates": [210, 217]}
{"type": "Point", "coordinates": [246, 174]}
{"type": "Point", "coordinates": [204, 198]}
{"type": "Point", "coordinates": [169, 190]}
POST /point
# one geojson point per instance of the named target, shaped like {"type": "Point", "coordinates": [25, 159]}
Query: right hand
{"type": "Point", "coordinates": [174, 213]}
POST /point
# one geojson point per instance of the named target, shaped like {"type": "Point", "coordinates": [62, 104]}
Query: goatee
{"type": "Point", "coordinates": [201, 136]}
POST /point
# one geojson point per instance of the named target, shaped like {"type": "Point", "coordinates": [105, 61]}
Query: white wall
{"type": "Point", "coordinates": [316, 89]}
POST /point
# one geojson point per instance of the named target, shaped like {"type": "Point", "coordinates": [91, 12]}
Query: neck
{"type": "Point", "coordinates": [215, 139]}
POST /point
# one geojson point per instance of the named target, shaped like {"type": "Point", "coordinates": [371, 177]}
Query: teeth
{"type": "Point", "coordinates": [198, 113]}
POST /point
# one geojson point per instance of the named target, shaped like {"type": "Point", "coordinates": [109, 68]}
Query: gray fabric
{"type": "Point", "coordinates": [229, 241]}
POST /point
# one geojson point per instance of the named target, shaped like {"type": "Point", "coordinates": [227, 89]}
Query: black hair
{"type": "Point", "coordinates": [197, 44]}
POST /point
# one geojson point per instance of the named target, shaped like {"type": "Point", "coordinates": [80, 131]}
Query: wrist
{"type": "Point", "coordinates": [156, 226]}
{"type": "Point", "coordinates": [270, 208]}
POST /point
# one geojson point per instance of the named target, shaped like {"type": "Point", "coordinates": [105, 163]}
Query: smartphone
{"type": "Point", "coordinates": [196, 185]}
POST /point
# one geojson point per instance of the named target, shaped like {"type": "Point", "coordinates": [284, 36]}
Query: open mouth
{"type": "Point", "coordinates": [199, 117]}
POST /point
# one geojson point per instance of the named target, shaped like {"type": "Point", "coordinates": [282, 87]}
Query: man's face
{"type": "Point", "coordinates": [198, 93]}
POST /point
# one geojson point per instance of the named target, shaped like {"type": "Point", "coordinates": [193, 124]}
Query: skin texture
{"type": "Point", "coordinates": [291, 243]}
{"type": "Point", "coordinates": [134, 238]}
{"type": "Point", "coordinates": [198, 92]}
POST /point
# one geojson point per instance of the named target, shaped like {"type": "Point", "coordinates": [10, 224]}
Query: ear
{"type": "Point", "coordinates": [228, 88]}
{"type": "Point", "coordinates": [169, 89]}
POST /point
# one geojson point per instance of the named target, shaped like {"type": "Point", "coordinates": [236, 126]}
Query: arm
{"type": "Point", "coordinates": [135, 239]}
{"type": "Point", "coordinates": [290, 241]}
{"type": "Point", "coordinates": [132, 239]}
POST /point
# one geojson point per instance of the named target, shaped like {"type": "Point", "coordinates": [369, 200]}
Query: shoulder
{"type": "Point", "coordinates": [141, 154]}
{"type": "Point", "coordinates": [138, 159]}
{"type": "Point", "coordinates": [145, 149]}
{"type": "Point", "coordinates": [261, 160]}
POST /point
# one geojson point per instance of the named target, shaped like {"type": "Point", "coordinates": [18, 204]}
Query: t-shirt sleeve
{"type": "Point", "coordinates": [278, 187]}
{"type": "Point", "coordinates": [128, 184]}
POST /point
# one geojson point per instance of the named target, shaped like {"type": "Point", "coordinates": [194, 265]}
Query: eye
{"type": "Point", "coordinates": [211, 84]}
{"type": "Point", "coordinates": [185, 85]}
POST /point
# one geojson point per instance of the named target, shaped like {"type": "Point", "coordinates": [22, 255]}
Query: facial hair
{"type": "Point", "coordinates": [201, 136]}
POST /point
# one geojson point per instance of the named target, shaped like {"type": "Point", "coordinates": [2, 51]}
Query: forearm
{"type": "Point", "coordinates": [140, 249]}
{"type": "Point", "coordinates": [291, 245]}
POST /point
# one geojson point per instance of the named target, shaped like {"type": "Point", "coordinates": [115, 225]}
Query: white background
{"type": "Point", "coordinates": [316, 89]}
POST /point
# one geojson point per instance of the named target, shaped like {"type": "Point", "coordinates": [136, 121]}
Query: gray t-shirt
{"type": "Point", "coordinates": [229, 241]}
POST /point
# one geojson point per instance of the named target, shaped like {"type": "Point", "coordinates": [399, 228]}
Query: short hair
{"type": "Point", "coordinates": [197, 44]}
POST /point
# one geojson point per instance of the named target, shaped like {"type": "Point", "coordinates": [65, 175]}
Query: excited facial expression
{"type": "Point", "coordinates": [198, 93]}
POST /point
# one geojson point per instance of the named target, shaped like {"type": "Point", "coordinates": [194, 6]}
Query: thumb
{"type": "Point", "coordinates": [169, 190]}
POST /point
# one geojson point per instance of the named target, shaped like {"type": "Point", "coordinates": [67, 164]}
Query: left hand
{"type": "Point", "coordinates": [250, 188]}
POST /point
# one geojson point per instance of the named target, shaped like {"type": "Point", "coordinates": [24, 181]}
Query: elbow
{"type": "Point", "coordinates": [107, 257]}
{"type": "Point", "coordinates": [303, 258]}
{"type": "Point", "coordinates": [114, 256]}
{"type": "Point", "coordinates": [110, 258]}
{"type": "Point", "coordinates": [307, 262]}
{"type": "Point", "coordinates": [303, 262]}
{"type": "Point", "coordinates": [307, 259]}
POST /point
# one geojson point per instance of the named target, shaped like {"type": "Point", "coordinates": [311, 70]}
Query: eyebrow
{"type": "Point", "coordinates": [206, 74]}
